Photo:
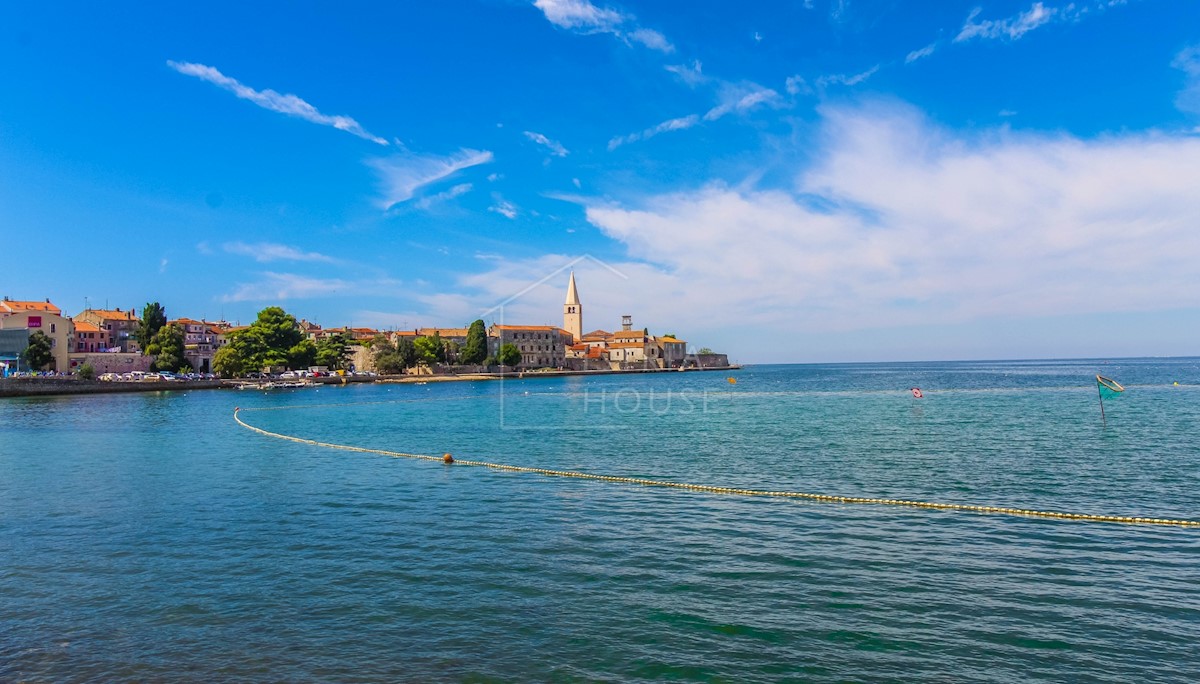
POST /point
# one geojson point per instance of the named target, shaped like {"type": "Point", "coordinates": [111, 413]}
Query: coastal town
{"type": "Point", "coordinates": [36, 337]}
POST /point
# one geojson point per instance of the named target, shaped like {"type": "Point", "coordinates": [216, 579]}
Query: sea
{"type": "Point", "coordinates": [150, 537]}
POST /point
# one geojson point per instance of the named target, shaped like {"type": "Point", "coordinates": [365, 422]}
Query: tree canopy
{"type": "Point", "coordinates": [39, 353]}
{"type": "Point", "coordinates": [332, 352]}
{"type": "Point", "coordinates": [154, 317]}
{"type": "Point", "coordinates": [475, 350]}
{"type": "Point", "coordinates": [167, 349]}
{"type": "Point", "coordinates": [509, 355]}
{"type": "Point", "coordinates": [275, 339]}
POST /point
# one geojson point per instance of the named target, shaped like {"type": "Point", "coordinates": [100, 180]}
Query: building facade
{"type": "Point", "coordinates": [573, 312]}
{"type": "Point", "coordinates": [121, 326]}
{"type": "Point", "coordinates": [541, 346]}
{"type": "Point", "coordinates": [41, 316]}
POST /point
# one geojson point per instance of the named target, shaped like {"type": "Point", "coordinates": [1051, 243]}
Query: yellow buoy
{"type": "Point", "coordinates": [732, 381]}
{"type": "Point", "coordinates": [447, 458]}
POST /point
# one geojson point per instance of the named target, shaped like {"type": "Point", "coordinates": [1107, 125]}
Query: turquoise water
{"type": "Point", "coordinates": [149, 537]}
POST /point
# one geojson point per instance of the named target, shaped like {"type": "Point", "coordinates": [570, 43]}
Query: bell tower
{"type": "Point", "coordinates": [573, 311]}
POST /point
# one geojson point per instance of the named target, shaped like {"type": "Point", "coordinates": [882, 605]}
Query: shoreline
{"type": "Point", "coordinates": [66, 386]}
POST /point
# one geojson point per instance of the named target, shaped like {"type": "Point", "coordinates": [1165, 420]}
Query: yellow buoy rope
{"type": "Point", "coordinates": [711, 489]}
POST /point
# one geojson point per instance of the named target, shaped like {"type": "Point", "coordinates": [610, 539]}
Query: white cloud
{"type": "Point", "coordinates": [504, 208]}
{"type": "Point", "coordinates": [921, 53]}
{"type": "Point", "coordinates": [691, 75]}
{"type": "Point", "coordinates": [734, 99]}
{"type": "Point", "coordinates": [400, 176]}
{"type": "Point", "coordinates": [796, 85]}
{"type": "Point", "coordinates": [1188, 61]}
{"type": "Point", "coordinates": [902, 223]}
{"type": "Point", "coordinates": [277, 102]}
{"type": "Point", "coordinates": [676, 124]}
{"type": "Point", "coordinates": [579, 14]}
{"type": "Point", "coordinates": [583, 16]}
{"type": "Point", "coordinates": [1011, 28]}
{"type": "Point", "coordinates": [741, 99]}
{"type": "Point", "coordinates": [446, 196]}
{"type": "Point", "coordinates": [846, 79]}
{"type": "Point", "coordinates": [264, 252]}
{"type": "Point", "coordinates": [651, 39]}
{"type": "Point", "coordinates": [555, 147]}
{"type": "Point", "coordinates": [278, 287]}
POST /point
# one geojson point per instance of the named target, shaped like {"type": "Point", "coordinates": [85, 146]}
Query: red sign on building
{"type": "Point", "coordinates": [35, 321]}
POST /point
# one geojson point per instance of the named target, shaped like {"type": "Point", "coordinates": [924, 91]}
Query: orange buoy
{"type": "Point", "coordinates": [447, 458]}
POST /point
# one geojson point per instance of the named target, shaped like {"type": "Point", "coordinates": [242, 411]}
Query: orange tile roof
{"type": "Point", "coordinates": [528, 327]}
{"type": "Point", "coordinates": [670, 340]}
{"type": "Point", "coordinates": [578, 347]}
{"type": "Point", "coordinates": [597, 334]}
{"type": "Point", "coordinates": [11, 306]}
{"type": "Point", "coordinates": [84, 326]}
{"type": "Point", "coordinates": [444, 332]}
{"type": "Point", "coordinates": [186, 321]}
{"type": "Point", "coordinates": [116, 314]}
{"type": "Point", "coordinates": [626, 334]}
{"type": "Point", "coordinates": [627, 345]}
{"type": "Point", "coordinates": [595, 353]}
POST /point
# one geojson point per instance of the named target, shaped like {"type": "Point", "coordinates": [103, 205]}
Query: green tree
{"type": "Point", "coordinates": [429, 349]}
{"type": "Point", "coordinates": [509, 355]}
{"type": "Point", "coordinates": [86, 372]}
{"type": "Point", "coordinates": [40, 352]}
{"type": "Point", "coordinates": [475, 349]}
{"type": "Point", "coordinates": [704, 350]}
{"type": "Point", "coordinates": [332, 352]}
{"type": "Point", "coordinates": [407, 352]}
{"type": "Point", "coordinates": [167, 349]}
{"type": "Point", "coordinates": [302, 354]}
{"type": "Point", "coordinates": [154, 317]}
{"type": "Point", "coordinates": [228, 362]}
{"type": "Point", "coordinates": [269, 339]}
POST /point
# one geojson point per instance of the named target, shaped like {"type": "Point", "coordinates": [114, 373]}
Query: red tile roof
{"type": "Point", "coordinates": [11, 306]}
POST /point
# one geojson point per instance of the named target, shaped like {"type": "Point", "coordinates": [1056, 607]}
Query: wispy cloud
{"type": "Point", "coordinates": [735, 99]}
{"type": "Point", "coordinates": [1187, 60]}
{"type": "Point", "coordinates": [277, 287]}
{"type": "Point", "coordinates": [400, 176]}
{"type": "Point", "coordinates": [921, 53]}
{"type": "Point", "coordinates": [691, 75]}
{"type": "Point", "coordinates": [445, 196]}
{"type": "Point", "coordinates": [796, 85]}
{"type": "Point", "coordinates": [1011, 28]}
{"type": "Point", "coordinates": [846, 79]}
{"type": "Point", "coordinates": [677, 124]}
{"type": "Point", "coordinates": [264, 252]}
{"type": "Point", "coordinates": [276, 102]}
{"type": "Point", "coordinates": [503, 207]}
{"type": "Point", "coordinates": [555, 147]}
{"type": "Point", "coordinates": [583, 16]}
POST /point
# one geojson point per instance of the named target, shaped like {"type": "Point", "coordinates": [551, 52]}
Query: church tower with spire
{"type": "Point", "coordinates": [573, 311]}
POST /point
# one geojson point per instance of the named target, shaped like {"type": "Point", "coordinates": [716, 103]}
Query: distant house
{"type": "Point", "coordinates": [200, 342]}
{"type": "Point", "coordinates": [541, 346]}
{"type": "Point", "coordinates": [31, 317]}
{"type": "Point", "coordinates": [90, 338]}
{"type": "Point", "coordinates": [121, 326]}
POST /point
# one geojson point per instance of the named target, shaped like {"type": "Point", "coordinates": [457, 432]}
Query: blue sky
{"type": "Point", "coordinates": [789, 181]}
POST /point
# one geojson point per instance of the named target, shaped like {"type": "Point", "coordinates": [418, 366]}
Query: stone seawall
{"type": "Point", "coordinates": [33, 387]}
